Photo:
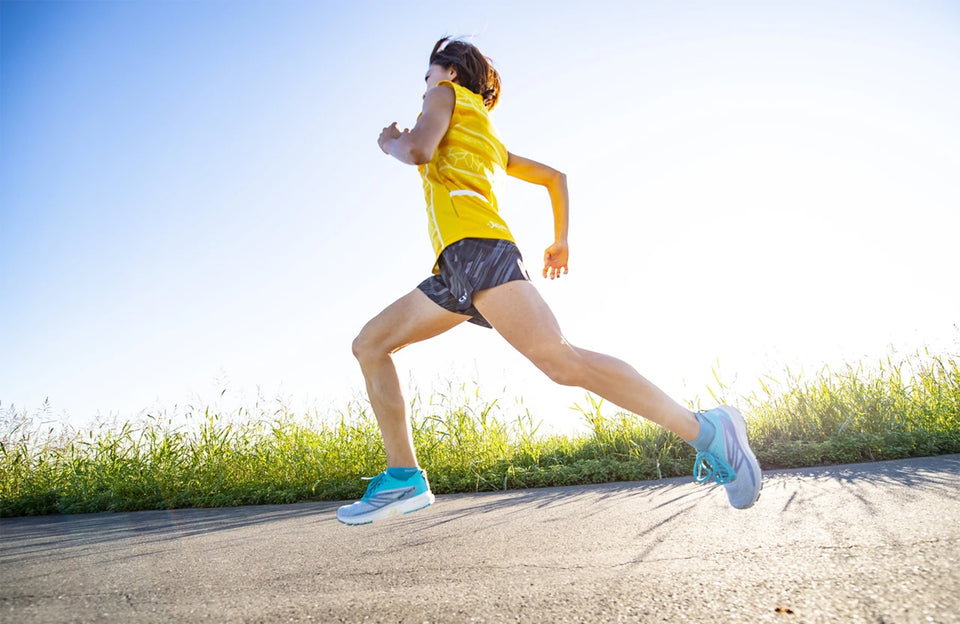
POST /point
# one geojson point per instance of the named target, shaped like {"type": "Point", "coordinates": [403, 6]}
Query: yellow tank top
{"type": "Point", "coordinates": [458, 182]}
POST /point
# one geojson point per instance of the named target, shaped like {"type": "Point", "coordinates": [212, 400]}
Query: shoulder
{"type": "Point", "coordinates": [441, 95]}
{"type": "Point", "coordinates": [463, 96]}
{"type": "Point", "coordinates": [449, 85]}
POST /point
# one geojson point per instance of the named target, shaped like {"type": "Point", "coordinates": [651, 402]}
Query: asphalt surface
{"type": "Point", "coordinates": [877, 543]}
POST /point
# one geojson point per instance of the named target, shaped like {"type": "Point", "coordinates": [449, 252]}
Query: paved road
{"type": "Point", "coordinates": [877, 543]}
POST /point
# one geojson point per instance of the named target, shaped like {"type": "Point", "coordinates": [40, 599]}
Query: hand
{"type": "Point", "coordinates": [555, 260]}
{"type": "Point", "coordinates": [388, 134]}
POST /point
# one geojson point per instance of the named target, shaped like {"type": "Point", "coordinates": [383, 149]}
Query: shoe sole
{"type": "Point", "coordinates": [393, 510]}
{"type": "Point", "coordinates": [740, 427]}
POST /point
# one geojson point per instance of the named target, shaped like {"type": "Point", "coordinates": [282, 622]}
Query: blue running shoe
{"type": "Point", "coordinates": [728, 459]}
{"type": "Point", "coordinates": [387, 497]}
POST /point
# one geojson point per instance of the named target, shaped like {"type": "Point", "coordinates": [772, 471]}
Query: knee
{"type": "Point", "coordinates": [562, 368]}
{"type": "Point", "coordinates": [364, 346]}
{"type": "Point", "coordinates": [357, 346]}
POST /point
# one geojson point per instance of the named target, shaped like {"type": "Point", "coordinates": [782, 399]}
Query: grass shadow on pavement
{"type": "Point", "coordinates": [589, 500]}
{"type": "Point", "coordinates": [51, 535]}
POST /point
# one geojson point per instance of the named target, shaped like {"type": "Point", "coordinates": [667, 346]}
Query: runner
{"type": "Point", "coordinates": [479, 276]}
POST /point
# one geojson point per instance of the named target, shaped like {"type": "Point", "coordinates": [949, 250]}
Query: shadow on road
{"type": "Point", "coordinates": [51, 534]}
{"type": "Point", "coordinates": [591, 500]}
{"type": "Point", "coordinates": [48, 536]}
{"type": "Point", "coordinates": [912, 473]}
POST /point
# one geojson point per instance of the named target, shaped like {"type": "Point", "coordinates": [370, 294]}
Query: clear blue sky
{"type": "Point", "coordinates": [192, 198]}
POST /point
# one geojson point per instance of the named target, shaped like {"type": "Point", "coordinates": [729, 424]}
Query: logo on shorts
{"type": "Point", "coordinates": [462, 298]}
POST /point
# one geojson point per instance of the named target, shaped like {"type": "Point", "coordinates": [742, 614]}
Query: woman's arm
{"type": "Point", "coordinates": [555, 257]}
{"type": "Point", "coordinates": [417, 146]}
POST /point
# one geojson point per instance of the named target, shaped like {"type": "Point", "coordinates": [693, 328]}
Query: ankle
{"type": "Point", "coordinates": [706, 434]}
{"type": "Point", "coordinates": [402, 473]}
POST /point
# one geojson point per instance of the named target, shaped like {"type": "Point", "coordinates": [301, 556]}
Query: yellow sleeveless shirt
{"type": "Point", "coordinates": [458, 181]}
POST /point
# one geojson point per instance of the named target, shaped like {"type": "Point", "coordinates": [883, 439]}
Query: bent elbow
{"type": "Point", "coordinates": [558, 179]}
{"type": "Point", "coordinates": [419, 156]}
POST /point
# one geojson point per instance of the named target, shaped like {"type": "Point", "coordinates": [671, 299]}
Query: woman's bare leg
{"type": "Point", "coordinates": [518, 312]}
{"type": "Point", "coordinates": [412, 318]}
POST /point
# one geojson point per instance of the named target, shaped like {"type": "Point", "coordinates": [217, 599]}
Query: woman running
{"type": "Point", "coordinates": [479, 276]}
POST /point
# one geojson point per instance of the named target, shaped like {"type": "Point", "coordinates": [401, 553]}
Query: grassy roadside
{"type": "Point", "coordinates": [892, 410]}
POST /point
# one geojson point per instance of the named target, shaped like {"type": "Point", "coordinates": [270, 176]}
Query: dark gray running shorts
{"type": "Point", "coordinates": [469, 266]}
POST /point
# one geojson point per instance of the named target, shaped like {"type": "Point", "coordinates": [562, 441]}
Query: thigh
{"type": "Point", "coordinates": [518, 312]}
{"type": "Point", "coordinates": [409, 319]}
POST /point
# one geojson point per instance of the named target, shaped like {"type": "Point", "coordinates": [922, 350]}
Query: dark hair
{"type": "Point", "coordinates": [474, 70]}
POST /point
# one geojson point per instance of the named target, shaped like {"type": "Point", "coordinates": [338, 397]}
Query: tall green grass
{"type": "Point", "coordinates": [467, 443]}
{"type": "Point", "coordinates": [896, 409]}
